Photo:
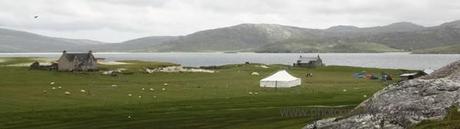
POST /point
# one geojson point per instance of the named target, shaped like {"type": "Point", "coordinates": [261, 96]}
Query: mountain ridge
{"type": "Point", "coordinates": [246, 37]}
{"type": "Point", "coordinates": [21, 41]}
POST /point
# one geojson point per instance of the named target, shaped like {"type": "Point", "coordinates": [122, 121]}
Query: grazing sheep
{"type": "Point", "coordinates": [344, 90]}
{"type": "Point", "coordinates": [83, 91]}
{"type": "Point", "coordinates": [59, 87]}
{"type": "Point", "coordinates": [67, 93]}
{"type": "Point", "coordinates": [364, 96]}
{"type": "Point", "coordinates": [250, 93]}
{"type": "Point", "coordinates": [53, 88]}
{"type": "Point", "coordinates": [165, 84]}
{"type": "Point", "coordinates": [140, 96]}
{"type": "Point", "coordinates": [143, 89]}
{"type": "Point", "coordinates": [107, 72]}
{"type": "Point", "coordinates": [52, 83]}
{"type": "Point", "coordinates": [130, 95]}
{"type": "Point", "coordinates": [164, 89]}
{"type": "Point", "coordinates": [308, 75]}
{"type": "Point", "coordinates": [114, 85]}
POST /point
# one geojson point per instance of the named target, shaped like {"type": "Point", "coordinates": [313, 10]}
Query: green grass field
{"type": "Point", "coordinates": [190, 100]}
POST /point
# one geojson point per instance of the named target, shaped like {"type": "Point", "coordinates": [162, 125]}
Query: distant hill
{"type": "Point", "coordinates": [401, 36]}
{"type": "Point", "coordinates": [243, 37]}
{"type": "Point", "coordinates": [19, 41]}
{"type": "Point", "coordinates": [135, 45]}
{"type": "Point", "coordinates": [315, 47]}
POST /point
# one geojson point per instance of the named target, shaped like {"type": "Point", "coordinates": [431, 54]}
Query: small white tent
{"type": "Point", "coordinates": [280, 79]}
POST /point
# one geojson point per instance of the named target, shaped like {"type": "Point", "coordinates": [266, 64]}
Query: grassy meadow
{"type": "Point", "coordinates": [189, 100]}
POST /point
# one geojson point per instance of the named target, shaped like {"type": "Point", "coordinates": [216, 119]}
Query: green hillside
{"type": "Point", "coordinates": [452, 49]}
{"type": "Point", "coordinates": [310, 47]}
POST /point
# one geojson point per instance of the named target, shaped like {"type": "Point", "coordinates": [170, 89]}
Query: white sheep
{"type": "Point", "coordinates": [83, 91]}
{"type": "Point", "coordinates": [164, 89]}
{"type": "Point", "coordinates": [151, 89]}
{"type": "Point", "coordinates": [130, 95]}
{"type": "Point", "coordinates": [67, 93]}
{"type": "Point", "coordinates": [53, 88]}
{"type": "Point", "coordinates": [52, 83]}
{"type": "Point", "coordinates": [165, 84]}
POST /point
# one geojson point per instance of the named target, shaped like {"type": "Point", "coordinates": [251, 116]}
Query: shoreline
{"type": "Point", "coordinates": [371, 60]}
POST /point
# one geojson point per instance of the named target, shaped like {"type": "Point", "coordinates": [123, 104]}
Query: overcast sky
{"type": "Point", "coordinates": [119, 20]}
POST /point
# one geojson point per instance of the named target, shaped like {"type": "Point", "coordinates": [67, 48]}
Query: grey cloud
{"type": "Point", "coordinates": [152, 3]}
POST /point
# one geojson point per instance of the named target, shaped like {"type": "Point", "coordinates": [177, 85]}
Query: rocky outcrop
{"type": "Point", "coordinates": [404, 104]}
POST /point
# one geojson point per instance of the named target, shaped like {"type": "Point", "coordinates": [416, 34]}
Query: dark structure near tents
{"type": "Point", "coordinates": [309, 62]}
{"type": "Point", "coordinates": [77, 62]}
{"type": "Point", "coordinates": [408, 76]}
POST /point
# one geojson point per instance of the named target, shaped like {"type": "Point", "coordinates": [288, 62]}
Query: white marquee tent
{"type": "Point", "coordinates": [280, 79]}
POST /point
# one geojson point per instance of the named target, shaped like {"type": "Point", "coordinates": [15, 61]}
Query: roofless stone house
{"type": "Point", "coordinates": [77, 62]}
{"type": "Point", "coordinates": [309, 62]}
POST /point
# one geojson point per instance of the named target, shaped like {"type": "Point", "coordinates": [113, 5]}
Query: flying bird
{"type": "Point", "coordinates": [35, 17]}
